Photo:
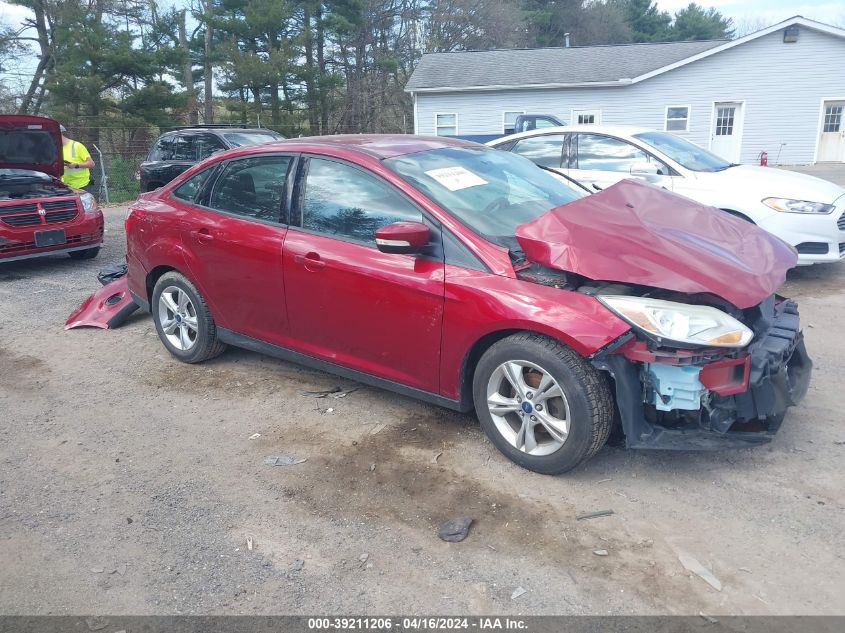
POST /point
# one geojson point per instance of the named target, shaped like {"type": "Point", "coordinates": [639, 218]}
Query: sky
{"type": "Point", "coordinates": [766, 12]}
{"type": "Point", "coordinates": [748, 15]}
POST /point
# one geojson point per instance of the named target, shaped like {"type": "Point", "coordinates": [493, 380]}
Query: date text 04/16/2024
{"type": "Point", "coordinates": [415, 624]}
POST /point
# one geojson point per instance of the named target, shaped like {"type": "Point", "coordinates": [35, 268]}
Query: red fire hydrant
{"type": "Point", "coordinates": [764, 159]}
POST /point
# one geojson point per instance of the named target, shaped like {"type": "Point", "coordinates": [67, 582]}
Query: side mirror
{"type": "Point", "coordinates": [644, 170]}
{"type": "Point", "coordinates": [403, 237]}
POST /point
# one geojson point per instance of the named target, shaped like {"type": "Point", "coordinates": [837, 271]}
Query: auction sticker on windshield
{"type": "Point", "coordinates": [455, 178]}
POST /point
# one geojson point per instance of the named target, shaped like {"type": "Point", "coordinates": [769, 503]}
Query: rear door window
{"type": "Point", "coordinates": [206, 144]}
{"type": "Point", "coordinates": [545, 150]}
{"type": "Point", "coordinates": [252, 188]}
{"type": "Point", "coordinates": [604, 153]}
{"type": "Point", "coordinates": [189, 189]}
{"type": "Point", "coordinates": [184, 149]}
{"type": "Point", "coordinates": [163, 149]}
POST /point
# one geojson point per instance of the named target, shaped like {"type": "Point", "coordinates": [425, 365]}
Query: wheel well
{"type": "Point", "coordinates": [152, 186]}
{"type": "Point", "coordinates": [153, 276]}
{"type": "Point", "coordinates": [739, 215]}
{"type": "Point", "coordinates": [471, 361]}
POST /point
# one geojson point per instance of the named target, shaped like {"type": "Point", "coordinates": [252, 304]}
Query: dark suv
{"type": "Point", "coordinates": [177, 150]}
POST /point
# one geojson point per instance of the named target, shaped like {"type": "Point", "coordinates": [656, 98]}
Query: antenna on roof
{"type": "Point", "coordinates": [566, 40]}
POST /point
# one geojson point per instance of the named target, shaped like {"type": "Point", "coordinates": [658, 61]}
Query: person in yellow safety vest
{"type": "Point", "coordinates": [78, 163]}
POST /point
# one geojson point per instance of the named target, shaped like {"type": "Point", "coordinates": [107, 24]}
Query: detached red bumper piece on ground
{"type": "Point", "coordinates": [107, 308]}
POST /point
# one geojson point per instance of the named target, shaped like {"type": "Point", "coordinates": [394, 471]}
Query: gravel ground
{"type": "Point", "coordinates": [129, 485]}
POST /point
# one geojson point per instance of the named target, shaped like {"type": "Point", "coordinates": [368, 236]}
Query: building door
{"type": "Point", "coordinates": [726, 135]}
{"type": "Point", "coordinates": [832, 140]}
{"type": "Point", "coordinates": [586, 117]}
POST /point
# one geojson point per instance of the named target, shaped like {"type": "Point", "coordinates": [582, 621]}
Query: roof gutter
{"type": "Point", "coordinates": [583, 84]}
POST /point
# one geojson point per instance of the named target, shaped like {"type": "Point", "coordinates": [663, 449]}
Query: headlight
{"type": "Point", "coordinates": [787, 205]}
{"type": "Point", "coordinates": [679, 322]}
{"type": "Point", "coordinates": [88, 202]}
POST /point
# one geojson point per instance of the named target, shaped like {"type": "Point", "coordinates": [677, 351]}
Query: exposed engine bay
{"type": "Point", "coordinates": [697, 397]}
{"type": "Point", "coordinates": [35, 186]}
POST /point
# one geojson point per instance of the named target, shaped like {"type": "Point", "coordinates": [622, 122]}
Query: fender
{"type": "Point", "coordinates": [577, 320]}
{"type": "Point", "coordinates": [168, 252]}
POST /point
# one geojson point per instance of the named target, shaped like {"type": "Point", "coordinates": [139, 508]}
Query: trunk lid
{"type": "Point", "coordinates": [637, 233]}
{"type": "Point", "coordinates": [31, 142]}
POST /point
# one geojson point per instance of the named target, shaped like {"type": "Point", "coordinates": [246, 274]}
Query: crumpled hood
{"type": "Point", "coordinates": [637, 233]}
{"type": "Point", "coordinates": [31, 142]}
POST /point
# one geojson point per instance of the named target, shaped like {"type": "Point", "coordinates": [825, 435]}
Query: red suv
{"type": "Point", "coordinates": [39, 215]}
{"type": "Point", "coordinates": [471, 278]}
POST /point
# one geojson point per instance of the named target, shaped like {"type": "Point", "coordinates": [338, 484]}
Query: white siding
{"type": "Point", "coordinates": [782, 86]}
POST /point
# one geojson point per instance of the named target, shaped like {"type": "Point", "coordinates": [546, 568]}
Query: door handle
{"type": "Point", "coordinates": [203, 236]}
{"type": "Point", "coordinates": [311, 261]}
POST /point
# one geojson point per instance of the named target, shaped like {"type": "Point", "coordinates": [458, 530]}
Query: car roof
{"type": "Point", "coordinates": [613, 130]}
{"type": "Point", "coordinates": [380, 146]}
{"type": "Point", "coordinates": [218, 130]}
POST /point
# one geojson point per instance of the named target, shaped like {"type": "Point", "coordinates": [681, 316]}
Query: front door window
{"type": "Point", "coordinates": [343, 202]}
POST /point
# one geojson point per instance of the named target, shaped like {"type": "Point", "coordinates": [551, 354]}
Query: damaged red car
{"type": "Point", "coordinates": [40, 215]}
{"type": "Point", "coordinates": [469, 278]}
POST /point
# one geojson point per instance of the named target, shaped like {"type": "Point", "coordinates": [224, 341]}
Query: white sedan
{"type": "Point", "coordinates": [806, 212]}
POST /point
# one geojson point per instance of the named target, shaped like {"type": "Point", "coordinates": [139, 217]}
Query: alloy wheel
{"type": "Point", "coordinates": [528, 407]}
{"type": "Point", "coordinates": [178, 318]}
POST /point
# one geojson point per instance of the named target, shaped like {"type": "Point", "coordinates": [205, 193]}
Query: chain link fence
{"type": "Point", "coordinates": [118, 152]}
{"type": "Point", "coordinates": [115, 177]}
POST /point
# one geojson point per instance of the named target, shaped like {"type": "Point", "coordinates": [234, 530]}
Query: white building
{"type": "Point", "coordinates": [780, 90]}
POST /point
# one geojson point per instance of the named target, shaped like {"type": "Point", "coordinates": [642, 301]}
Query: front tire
{"type": "Point", "coordinates": [183, 320]}
{"type": "Point", "coordinates": [542, 405]}
{"type": "Point", "coordinates": [88, 253]}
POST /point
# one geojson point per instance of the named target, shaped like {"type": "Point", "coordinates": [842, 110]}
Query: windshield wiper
{"type": "Point", "coordinates": [569, 178]}
{"type": "Point", "coordinates": [517, 256]}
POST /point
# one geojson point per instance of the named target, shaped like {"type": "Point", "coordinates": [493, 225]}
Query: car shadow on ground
{"type": "Point", "coordinates": [47, 264]}
{"type": "Point", "coordinates": [815, 280]}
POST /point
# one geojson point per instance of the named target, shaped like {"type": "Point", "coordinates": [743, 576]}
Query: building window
{"type": "Point", "coordinates": [833, 118]}
{"type": "Point", "coordinates": [509, 121]}
{"type": "Point", "coordinates": [446, 124]}
{"type": "Point", "coordinates": [586, 117]}
{"type": "Point", "coordinates": [677, 119]}
{"type": "Point", "coordinates": [725, 120]}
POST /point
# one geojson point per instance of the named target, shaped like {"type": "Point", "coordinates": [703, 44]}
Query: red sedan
{"type": "Point", "coordinates": [39, 215]}
{"type": "Point", "coordinates": [470, 278]}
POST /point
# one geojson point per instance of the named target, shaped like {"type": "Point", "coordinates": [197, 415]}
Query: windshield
{"type": "Point", "coordinates": [241, 139]}
{"type": "Point", "coordinates": [491, 192]}
{"type": "Point", "coordinates": [683, 152]}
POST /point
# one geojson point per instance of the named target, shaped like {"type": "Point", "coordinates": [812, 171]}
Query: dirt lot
{"type": "Point", "coordinates": [129, 485]}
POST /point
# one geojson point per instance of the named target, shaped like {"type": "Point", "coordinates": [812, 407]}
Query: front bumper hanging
{"type": "Point", "coordinates": [744, 409]}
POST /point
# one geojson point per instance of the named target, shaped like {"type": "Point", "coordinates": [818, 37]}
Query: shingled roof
{"type": "Point", "coordinates": [524, 68]}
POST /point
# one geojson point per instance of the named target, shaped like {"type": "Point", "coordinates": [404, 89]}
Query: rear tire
{"type": "Point", "coordinates": [88, 253]}
{"type": "Point", "coordinates": [183, 320]}
{"type": "Point", "coordinates": [542, 405]}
